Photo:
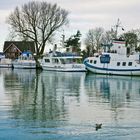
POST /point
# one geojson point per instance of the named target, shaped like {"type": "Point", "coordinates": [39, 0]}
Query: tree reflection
{"type": "Point", "coordinates": [53, 97]}
{"type": "Point", "coordinates": [37, 95]}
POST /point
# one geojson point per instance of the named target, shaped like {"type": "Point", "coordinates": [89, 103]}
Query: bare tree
{"type": "Point", "coordinates": [89, 42]}
{"type": "Point", "coordinates": [98, 37]}
{"type": "Point", "coordinates": [137, 32]}
{"type": "Point", "coordinates": [94, 38]}
{"type": "Point", "coordinates": [108, 37]}
{"type": "Point", "coordinates": [37, 21]}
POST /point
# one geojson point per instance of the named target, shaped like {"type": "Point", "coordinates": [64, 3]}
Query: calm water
{"type": "Point", "coordinates": [41, 105]}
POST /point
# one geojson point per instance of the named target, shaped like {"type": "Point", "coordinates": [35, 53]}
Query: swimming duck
{"type": "Point", "coordinates": [98, 126]}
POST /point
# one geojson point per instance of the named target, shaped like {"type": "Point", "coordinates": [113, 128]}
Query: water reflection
{"type": "Point", "coordinates": [116, 89]}
{"type": "Point", "coordinates": [48, 95]}
{"type": "Point", "coordinates": [15, 78]}
{"type": "Point", "coordinates": [57, 90]}
{"type": "Point", "coordinates": [37, 95]}
{"type": "Point", "coordinates": [64, 103]}
{"type": "Point", "coordinates": [121, 93]}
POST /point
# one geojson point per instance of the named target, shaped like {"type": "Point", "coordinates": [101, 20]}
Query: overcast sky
{"type": "Point", "coordinates": [83, 14]}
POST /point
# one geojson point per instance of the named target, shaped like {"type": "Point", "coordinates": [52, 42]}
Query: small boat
{"type": "Point", "coordinates": [5, 62]}
{"type": "Point", "coordinates": [118, 61]}
{"type": "Point", "coordinates": [66, 62]}
{"type": "Point", "coordinates": [25, 61]}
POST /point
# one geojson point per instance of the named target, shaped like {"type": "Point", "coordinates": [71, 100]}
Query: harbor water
{"type": "Point", "coordinates": [45, 105]}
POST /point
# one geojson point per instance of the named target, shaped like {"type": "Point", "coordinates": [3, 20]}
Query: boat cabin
{"type": "Point", "coordinates": [119, 47]}
{"type": "Point", "coordinates": [57, 61]}
{"type": "Point", "coordinates": [26, 56]}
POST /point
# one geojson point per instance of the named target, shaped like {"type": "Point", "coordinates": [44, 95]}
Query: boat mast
{"type": "Point", "coordinates": [63, 40]}
{"type": "Point", "coordinates": [118, 25]}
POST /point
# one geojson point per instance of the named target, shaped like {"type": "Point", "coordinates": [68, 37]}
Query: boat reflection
{"type": "Point", "coordinates": [58, 89]}
{"type": "Point", "coordinates": [42, 96]}
{"type": "Point", "coordinates": [14, 79]}
{"type": "Point", "coordinates": [36, 95]}
{"type": "Point", "coordinates": [113, 89]}
{"type": "Point", "coordinates": [62, 105]}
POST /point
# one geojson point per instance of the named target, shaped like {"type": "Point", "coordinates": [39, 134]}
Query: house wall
{"type": "Point", "coordinates": [12, 52]}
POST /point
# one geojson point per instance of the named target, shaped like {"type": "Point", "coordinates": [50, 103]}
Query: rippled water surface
{"type": "Point", "coordinates": [42, 105]}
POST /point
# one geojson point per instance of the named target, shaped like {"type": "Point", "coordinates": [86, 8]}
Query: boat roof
{"type": "Point", "coordinates": [68, 56]}
{"type": "Point", "coordinates": [27, 53]}
{"type": "Point", "coordinates": [63, 55]}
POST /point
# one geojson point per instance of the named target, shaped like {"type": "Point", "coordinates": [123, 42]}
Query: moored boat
{"type": "Point", "coordinates": [25, 61]}
{"type": "Point", "coordinates": [5, 62]}
{"type": "Point", "coordinates": [117, 61]}
{"type": "Point", "coordinates": [66, 62]}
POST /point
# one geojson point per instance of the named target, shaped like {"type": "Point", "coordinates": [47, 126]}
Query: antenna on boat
{"type": "Point", "coordinates": [63, 40]}
{"type": "Point", "coordinates": [118, 25]}
{"type": "Point", "coordinates": [55, 47]}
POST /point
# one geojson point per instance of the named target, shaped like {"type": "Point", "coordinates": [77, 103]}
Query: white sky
{"type": "Point", "coordinates": [83, 14]}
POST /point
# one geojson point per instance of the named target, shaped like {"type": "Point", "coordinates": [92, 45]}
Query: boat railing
{"type": "Point", "coordinates": [59, 54]}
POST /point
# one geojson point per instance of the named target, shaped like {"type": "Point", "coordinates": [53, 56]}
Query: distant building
{"type": "Point", "coordinates": [13, 49]}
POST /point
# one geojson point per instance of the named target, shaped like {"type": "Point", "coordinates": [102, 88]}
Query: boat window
{"type": "Point", "coordinates": [105, 58]}
{"type": "Point", "coordinates": [78, 60]}
{"type": "Point", "coordinates": [90, 61]}
{"type": "Point", "coordinates": [62, 61]}
{"type": "Point", "coordinates": [71, 61]}
{"type": "Point", "coordinates": [68, 61]}
{"type": "Point", "coordinates": [124, 64]}
{"type": "Point", "coordinates": [129, 63]}
{"type": "Point", "coordinates": [95, 62]}
{"type": "Point", "coordinates": [55, 60]}
{"type": "Point", "coordinates": [118, 63]}
{"type": "Point", "coordinates": [47, 60]}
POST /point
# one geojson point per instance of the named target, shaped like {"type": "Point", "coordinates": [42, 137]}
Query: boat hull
{"type": "Point", "coordinates": [6, 63]}
{"type": "Point", "coordinates": [112, 71]}
{"type": "Point", "coordinates": [65, 68]}
{"type": "Point", "coordinates": [24, 65]}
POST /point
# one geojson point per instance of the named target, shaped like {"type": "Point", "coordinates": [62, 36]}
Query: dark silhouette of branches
{"type": "Point", "coordinates": [37, 21]}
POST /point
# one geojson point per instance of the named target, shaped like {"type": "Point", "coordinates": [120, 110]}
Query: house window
{"type": "Point", "coordinates": [118, 63]}
{"type": "Point", "coordinates": [124, 64]}
{"type": "Point", "coordinates": [129, 63]}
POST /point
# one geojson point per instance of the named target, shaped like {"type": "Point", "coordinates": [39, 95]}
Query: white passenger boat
{"type": "Point", "coordinates": [25, 61]}
{"type": "Point", "coordinates": [62, 62]}
{"type": "Point", "coordinates": [117, 61]}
